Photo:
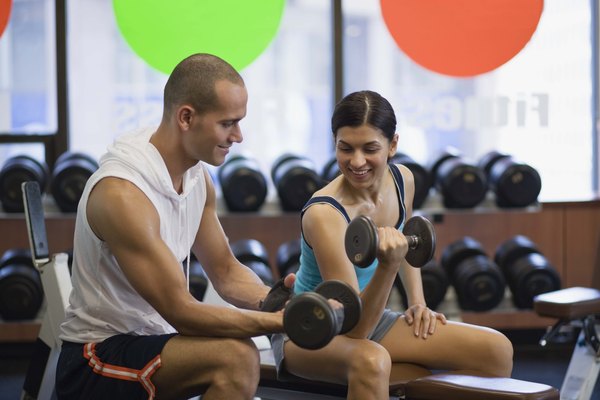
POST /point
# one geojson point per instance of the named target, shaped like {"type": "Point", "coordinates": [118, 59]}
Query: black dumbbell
{"type": "Point", "coordinates": [254, 255]}
{"type": "Point", "coordinates": [477, 280]}
{"type": "Point", "coordinates": [243, 184]}
{"type": "Point", "coordinates": [515, 184]}
{"type": "Point", "coordinates": [69, 176]}
{"type": "Point", "coordinates": [288, 257]}
{"type": "Point", "coordinates": [14, 172]}
{"type": "Point", "coordinates": [435, 285]}
{"type": "Point", "coordinates": [21, 293]}
{"type": "Point", "coordinates": [421, 177]}
{"type": "Point", "coordinates": [295, 179]}
{"type": "Point", "coordinates": [461, 184]}
{"type": "Point", "coordinates": [528, 273]}
{"type": "Point", "coordinates": [362, 242]}
{"type": "Point", "coordinates": [311, 322]}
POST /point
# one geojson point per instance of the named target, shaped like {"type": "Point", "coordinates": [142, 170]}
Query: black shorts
{"type": "Point", "coordinates": [120, 367]}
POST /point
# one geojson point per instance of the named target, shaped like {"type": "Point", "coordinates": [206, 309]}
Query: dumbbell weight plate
{"type": "Point", "coordinates": [345, 294]}
{"type": "Point", "coordinates": [421, 228]}
{"type": "Point", "coordinates": [309, 321]}
{"type": "Point", "coordinates": [361, 241]}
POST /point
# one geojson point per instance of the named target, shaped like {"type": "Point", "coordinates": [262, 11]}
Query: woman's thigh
{"type": "Point", "coordinates": [453, 346]}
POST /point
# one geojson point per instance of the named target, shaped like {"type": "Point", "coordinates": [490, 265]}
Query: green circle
{"type": "Point", "coordinates": [163, 32]}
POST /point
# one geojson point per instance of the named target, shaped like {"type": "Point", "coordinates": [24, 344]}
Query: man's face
{"type": "Point", "coordinates": [213, 133]}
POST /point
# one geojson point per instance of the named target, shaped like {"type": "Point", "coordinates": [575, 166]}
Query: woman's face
{"type": "Point", "coordinates": [362, 154]}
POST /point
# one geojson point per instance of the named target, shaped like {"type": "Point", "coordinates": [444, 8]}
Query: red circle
{"type": "Point", "coordinates": [461, 37]}
{"type": "Point", "coordinates": [5, 6]}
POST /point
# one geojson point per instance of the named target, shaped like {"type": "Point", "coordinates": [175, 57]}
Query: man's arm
{"type": "Point", "coordinates": [121, 215]}
{"type": "Point", "coordinates": [235, 282]}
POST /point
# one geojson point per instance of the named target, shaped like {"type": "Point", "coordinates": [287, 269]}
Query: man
{"type": "Point", "coordinates": [132, 329]}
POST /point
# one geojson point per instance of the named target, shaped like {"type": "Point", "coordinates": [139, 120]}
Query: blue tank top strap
{"type": "Point", "coordinates": [326, 199]}
{"type": "Point", "coordinates": [400, 190]}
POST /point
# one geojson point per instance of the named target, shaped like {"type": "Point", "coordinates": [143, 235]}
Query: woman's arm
{"type": "Point", "coordinates": [417, 313]}
{"type": "Point", "coordinates": [324, 229]}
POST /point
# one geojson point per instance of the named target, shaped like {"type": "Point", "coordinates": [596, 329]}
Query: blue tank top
{"type": "Point", "coordinates": [308, 275]}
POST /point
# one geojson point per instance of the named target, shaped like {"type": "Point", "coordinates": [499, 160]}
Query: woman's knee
{"type": "Point", "coordinates": [497, 354]}
{"type": "Point", "coordinates": [503, 350]}
{"type": "Point", "coordinates": [370, 362]}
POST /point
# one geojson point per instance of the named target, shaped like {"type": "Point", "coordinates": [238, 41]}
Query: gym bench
{"type": "Point", "coordinates": [576, 306]}
{"type": "Point", "coordinates": [409, 382]}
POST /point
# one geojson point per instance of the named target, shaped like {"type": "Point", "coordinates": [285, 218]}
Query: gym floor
{"type": "Point", "coordinates": [531, 362]}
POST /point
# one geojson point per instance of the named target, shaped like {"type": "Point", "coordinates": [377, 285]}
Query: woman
{"type": "Point", "coordinates": [364, 129]}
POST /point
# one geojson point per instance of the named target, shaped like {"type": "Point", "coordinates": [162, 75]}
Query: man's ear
{"type": "Point", "coordinates": [184, 115]}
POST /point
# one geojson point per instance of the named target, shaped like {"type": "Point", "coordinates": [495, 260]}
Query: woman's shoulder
{"type": "Point", "coordinates": [406, 173]}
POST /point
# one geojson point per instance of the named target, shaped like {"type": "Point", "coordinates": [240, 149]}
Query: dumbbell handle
{"type": "Point", "coordinates": [413, 241]}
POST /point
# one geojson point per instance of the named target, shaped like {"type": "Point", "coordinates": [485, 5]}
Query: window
{"type": "Point", "coordinates": [537, 107]}
{"type": "Point", "coordinates": [28, 102]}
{"type": "Point", "coordinates": [112, 90]}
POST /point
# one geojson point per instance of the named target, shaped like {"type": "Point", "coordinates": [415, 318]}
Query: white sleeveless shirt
{"type": "Point", "coordinates": [102, 302]}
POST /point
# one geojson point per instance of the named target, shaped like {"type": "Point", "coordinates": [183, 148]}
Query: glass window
{"type": "Point", "coordinates": [28, 67]}
{"type": "Point", "coordinates": [112, 90]}
{"type": "Point", "coordinates": [538, 106]}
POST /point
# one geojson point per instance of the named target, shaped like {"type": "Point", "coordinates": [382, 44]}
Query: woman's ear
{"type": "Point", "coordinates": [393, 146]}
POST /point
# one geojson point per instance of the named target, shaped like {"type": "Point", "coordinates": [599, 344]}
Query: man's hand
{"type": "Point", "coordinates": [279, 294]}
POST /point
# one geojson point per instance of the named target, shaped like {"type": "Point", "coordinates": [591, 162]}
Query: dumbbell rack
{"type": "Point", "coordinates": [566, 232]}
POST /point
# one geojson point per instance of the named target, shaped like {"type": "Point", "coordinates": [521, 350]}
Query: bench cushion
{"type": "Point", "coordinates": [468, 387]}
{"type": "Point", "coordinates": [568, 304]}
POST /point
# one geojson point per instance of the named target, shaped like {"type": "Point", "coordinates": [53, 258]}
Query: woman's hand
{"type": "Point", "coordinates": [423, 319]}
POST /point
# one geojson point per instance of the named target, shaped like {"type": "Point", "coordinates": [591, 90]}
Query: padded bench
{"type": "Point", "coordinates": [575, 306]}
{"type": "Point", "coordinates": [568, 304]}
{"type": "Point", "coordinates": [572, 304]}
{"type": "Point", "coordinates": [407, 381]}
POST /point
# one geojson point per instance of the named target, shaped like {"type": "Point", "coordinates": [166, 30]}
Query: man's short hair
{"type": "Point", "coordinates": [193, 82]}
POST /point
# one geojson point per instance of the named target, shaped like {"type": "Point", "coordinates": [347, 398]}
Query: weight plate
{"type": "Point", "coordinates": [361, 241]}
{"type": "Point", "coordinates": [309, 321]}
{"type": "Point", "coordinates": [345, 294]}
{"type": "Point", "coordinates": [423, 229]}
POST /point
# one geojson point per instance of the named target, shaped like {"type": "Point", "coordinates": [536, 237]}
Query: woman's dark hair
{"type": "Point", "coordinates": [364, 107]}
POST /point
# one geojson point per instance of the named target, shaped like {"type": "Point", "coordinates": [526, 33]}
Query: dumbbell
{"type": "Point", "coordinates": [421, 177]}
{"type": "Point", "coordinates": [311, 322]}
{"type": "Point", "coordinates": [435, 285]}
{"type": "Point", "coordinates": [361, 241]}
{"type": "Point", "coordinates": [515, 184]}
{"type": "Point", "coordinates": [69, 176]}
{"type": "Point", "coordinates": [16, 170]}
{"type": "Point", "coordinates": [461, 184]}
{"type": "Point", "coordinates": [21, 292]}
{"type": "Point", "coordinates": [477, 280]}
{"type": "Point", "coordinates": [527, 271]}
{"type": "Point", "coordinates": [254, 255]}
{"type": "Point", "coordinates": [243, 184]}
{"type": "Point", "coordinates": [288, 257]}
{"type": "Point", "coordinates": [295, 179]}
